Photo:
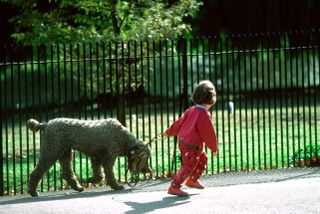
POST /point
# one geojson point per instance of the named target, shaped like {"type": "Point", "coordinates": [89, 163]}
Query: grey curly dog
{"type": "Point", "coordinates": [102, 140]}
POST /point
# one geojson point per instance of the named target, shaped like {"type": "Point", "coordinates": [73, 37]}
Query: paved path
{"type": "Point", "coordinates": [294, 190]}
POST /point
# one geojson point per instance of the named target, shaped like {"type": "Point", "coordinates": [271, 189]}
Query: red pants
{"type": "Point", "coordinates": [194, 162]}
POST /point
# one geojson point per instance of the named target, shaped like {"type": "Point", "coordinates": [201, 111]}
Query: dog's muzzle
{"type": "Point", "coordinates": [139, 160]}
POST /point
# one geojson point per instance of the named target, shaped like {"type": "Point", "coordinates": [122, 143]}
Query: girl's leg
{"type": "Point", "coordinates": [200, 166]}
{"type": "Point", "coordinates": [190, 159]}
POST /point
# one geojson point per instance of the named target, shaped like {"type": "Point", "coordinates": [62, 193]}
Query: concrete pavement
{"type": "Point", "coordinates": [294, 190]}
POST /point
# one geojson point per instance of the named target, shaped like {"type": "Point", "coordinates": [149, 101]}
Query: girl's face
{"type": "Point", "coordinates": [214, 97]}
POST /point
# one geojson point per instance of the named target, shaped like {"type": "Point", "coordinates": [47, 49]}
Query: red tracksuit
{"type": "Point", "coordinates": [194, 129]}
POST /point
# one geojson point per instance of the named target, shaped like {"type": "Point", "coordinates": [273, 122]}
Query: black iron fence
{"type": "Point", "coordinates": [267, 115]}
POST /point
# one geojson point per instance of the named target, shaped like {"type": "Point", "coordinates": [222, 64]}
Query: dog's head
{"type": "Point", "coordinates": [139, 158]}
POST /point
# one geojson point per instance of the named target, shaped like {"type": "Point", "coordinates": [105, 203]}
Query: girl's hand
{"type": "Point", "coordinates": [215, 153]}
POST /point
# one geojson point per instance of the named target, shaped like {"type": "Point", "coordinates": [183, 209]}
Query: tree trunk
{"type": "Point", "coordinates": [121, 114]}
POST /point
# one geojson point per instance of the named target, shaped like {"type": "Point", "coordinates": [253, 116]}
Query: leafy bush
{"type": "Point", "coordinates": [308, 156]}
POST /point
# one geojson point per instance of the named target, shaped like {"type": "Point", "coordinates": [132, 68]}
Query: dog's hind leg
{"type": "Point", "coordinates": [110, 175]}
{"type": "Point", "coordinates": [98, 174]}
{"type": "Point", "coordinates": [43, 166]}
{"type": "Point", "coordinates": [67, 171]}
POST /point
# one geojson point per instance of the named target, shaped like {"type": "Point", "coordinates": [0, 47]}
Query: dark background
{"type": "Point", "coordinates": [240, 16]}
{"type": "Point", "coordinates": [229, 16]}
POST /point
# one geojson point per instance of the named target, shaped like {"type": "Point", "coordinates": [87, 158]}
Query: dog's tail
{"type": "Point", "coordinates": [35, 125]}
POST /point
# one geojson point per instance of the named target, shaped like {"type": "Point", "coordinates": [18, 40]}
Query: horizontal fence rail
{"type": "Point", "coordinates": [267, 114]}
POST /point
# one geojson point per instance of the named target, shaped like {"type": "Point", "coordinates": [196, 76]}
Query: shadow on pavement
{"type": "Point", "coordinates": [166, 202]}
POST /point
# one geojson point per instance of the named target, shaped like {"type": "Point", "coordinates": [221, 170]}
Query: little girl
{"type": "Point", "coordinates": [194, 129]}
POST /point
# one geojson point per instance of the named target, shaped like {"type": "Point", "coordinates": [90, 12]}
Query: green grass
{"type": "Point", "coordinates": [262, 137]}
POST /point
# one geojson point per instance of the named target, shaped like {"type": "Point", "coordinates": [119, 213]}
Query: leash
{"type": "Point", "coordinates": [133, 181]}
{"type": "Point", "coordinates": [158, 137]}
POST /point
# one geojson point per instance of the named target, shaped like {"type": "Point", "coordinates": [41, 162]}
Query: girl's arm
{"type": "Point", "coordinates": [207, 132]}
{"type": "Point", "coordinates": [175, 126]}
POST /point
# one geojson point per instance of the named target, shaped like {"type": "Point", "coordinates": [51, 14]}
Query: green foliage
{"type": "Point", "coordinates": [72, 21]}
{"type": "Point", "coordinates": [308, 156]}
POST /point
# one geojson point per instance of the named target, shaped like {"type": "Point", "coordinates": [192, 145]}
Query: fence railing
{"type": "Point", "coordinates": [267, 114]}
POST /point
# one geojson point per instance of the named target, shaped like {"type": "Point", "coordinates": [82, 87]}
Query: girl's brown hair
{"type": "Point", "coordinates": [204, 93]}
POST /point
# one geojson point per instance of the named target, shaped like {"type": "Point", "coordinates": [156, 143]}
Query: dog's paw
{"type": "Point", "coordinates": [34, 194]}
{"type": "Point", "coordinates": [79, 189]}
{"type": "Point", "coordinates": [119, 187]}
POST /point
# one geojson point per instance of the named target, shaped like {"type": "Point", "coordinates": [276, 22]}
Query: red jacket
{"type": "Point", "coordinates": [195, 127]}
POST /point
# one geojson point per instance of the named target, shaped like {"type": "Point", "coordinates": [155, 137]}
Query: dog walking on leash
{"type": "Point", "coordinates": [102, 140]}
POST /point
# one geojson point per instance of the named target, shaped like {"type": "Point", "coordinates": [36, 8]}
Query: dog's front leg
{"type": "Point", "coordinates": [110, 175]}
